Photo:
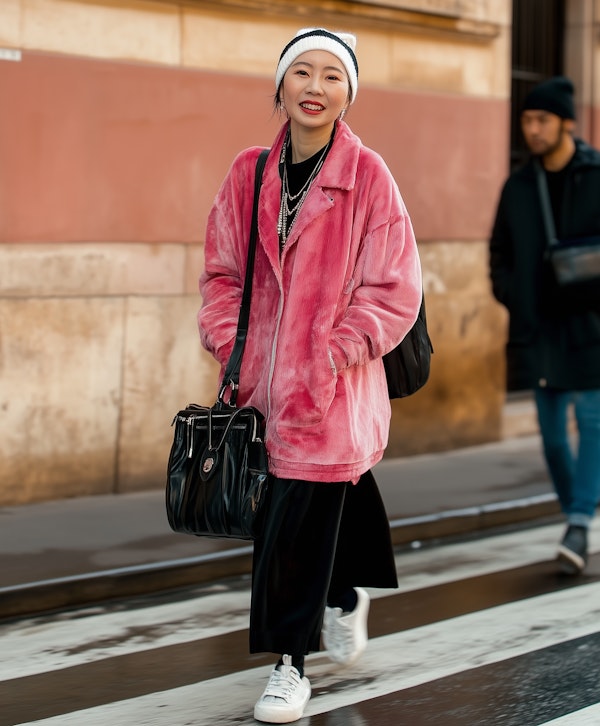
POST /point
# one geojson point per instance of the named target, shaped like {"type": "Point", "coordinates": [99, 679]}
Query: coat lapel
{"type": "Point", "coordinates": [338, 172]}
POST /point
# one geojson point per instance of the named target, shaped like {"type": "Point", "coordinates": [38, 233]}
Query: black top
{"type": "Point", "coordinates": [556, 190]}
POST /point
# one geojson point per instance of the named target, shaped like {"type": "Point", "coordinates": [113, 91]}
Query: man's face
{"type": "Point", "coordinates": [543, 131]}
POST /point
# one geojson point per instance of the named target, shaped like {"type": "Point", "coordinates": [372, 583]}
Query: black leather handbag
{"type": "Point", "coordinates": [407, 366]}
{"type": "Point", "coordinates": [218, 471]}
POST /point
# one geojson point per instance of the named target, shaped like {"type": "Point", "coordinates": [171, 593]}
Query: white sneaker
{"type": "Point", "coordinates": [285, 696]}
{"type": "Point", "coordinates": [345, 634]}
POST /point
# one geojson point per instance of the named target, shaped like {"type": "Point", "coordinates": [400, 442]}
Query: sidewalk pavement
{"type": "Point", "coordinates": [71, 552]}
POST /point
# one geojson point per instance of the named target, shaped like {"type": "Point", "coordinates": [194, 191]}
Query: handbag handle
{"type": "Point", "coordinates": [542, 186]}
{"type": "Point", "coordinates": [231, 377]}
{"type": "Point", "coordinates": [231, 420]}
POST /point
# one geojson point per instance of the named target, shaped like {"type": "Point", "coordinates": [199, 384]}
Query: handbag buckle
{"type": "Point", "coordinates": [233, 392]}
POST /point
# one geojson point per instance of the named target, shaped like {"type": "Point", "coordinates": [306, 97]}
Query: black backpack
{"type": "Point", "coordinates": [407, 366]}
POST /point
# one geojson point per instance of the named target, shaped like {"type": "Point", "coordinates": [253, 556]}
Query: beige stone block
{"type": "Point", "coordinates": [206, 41]}
{"type": "Point", "coordinates": [194, 265]}
{"type": "Point", "coordinates": [488, 11]}
{"type": "Point", "coordinates": [459, 268]}
{"type": "Point", "coordinates": [140, 30]}
{"type": "Point", "coordinates": [96, 269]}
{"type": "Point", "coordinates": [60, 380]}
{"type": "Point", "coordinates": [501, 65]}
{"type": "Point", "coordinates": [10, 23]}
{"type": "Point", "coordinates": [164, 369]}
{"type": "Point", "coordinates": [444, 65]}
{"type": "Point", "coordinates": [375, 53]}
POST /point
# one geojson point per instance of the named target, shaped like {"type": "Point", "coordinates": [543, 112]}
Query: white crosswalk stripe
{"type": "Point", "coordinates": [586, 717]}
{"type": "Point", "coordinates": [393, 662]}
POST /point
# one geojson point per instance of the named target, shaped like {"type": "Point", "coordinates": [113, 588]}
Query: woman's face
{"type": "Point", "coordinates": [315, 89]}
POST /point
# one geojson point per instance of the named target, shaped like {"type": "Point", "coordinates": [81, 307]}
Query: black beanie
{"type": "Point", "coordinates": [554, 95]}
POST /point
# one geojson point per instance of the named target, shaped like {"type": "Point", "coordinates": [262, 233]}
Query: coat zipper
{"type": "Point", "coordinates": [274, 347]}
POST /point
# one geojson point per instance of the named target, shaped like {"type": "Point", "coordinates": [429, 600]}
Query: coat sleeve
{"type": "Point", "coordinates": [501, 258]}
{"type": "Point", "coordinates": [225, 250]}
{"type": "Point", "coordinates": [388, 286]}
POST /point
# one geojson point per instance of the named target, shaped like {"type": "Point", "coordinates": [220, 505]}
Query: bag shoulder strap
{"type": "Point", "coordinates": [542, 186]}
{"type": "Point", "coordinates": [231, 377]}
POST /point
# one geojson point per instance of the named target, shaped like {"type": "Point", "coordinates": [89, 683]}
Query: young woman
{"type": "Point", "coordinates": [337, 284]}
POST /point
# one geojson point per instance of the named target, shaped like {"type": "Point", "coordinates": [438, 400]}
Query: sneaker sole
{"type": "Point", "coordinates": [570, 562]}
{"type": "Point", "coordinates": [270, 713]}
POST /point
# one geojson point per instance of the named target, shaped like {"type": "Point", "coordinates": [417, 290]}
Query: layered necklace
{"type": "Point", "coordinates": [292, 202]}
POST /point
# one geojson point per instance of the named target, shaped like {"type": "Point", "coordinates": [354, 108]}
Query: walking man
{"type": "Point", "coordinates": [554, 334]}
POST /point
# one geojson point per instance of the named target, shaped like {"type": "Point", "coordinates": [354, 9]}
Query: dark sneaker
{"type": "Point", "coordinates": [573, 550]}
{"type": "Point", "coordinates": [285, 696]}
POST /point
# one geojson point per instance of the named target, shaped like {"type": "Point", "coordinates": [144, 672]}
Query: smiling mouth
{"type": "Point", "coordinates": [312, 106]}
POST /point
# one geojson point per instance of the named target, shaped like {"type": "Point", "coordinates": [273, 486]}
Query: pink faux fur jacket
{"type": "Point", "coordinates": [346, 290]}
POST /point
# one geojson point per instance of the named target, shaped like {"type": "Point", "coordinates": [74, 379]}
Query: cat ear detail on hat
{"type": "Point", "coordinates": [348, 38]}
{"type": "Point", "coordinates": [340, 44]}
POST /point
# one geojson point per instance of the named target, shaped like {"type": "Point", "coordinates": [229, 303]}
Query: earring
{"type": "Point", "coordinates": [343, 113]}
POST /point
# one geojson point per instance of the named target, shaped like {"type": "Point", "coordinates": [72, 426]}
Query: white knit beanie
{"type": "Point", "coordinates": [342, 45]}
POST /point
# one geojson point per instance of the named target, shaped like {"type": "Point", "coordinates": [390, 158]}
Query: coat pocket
{"type": "Point", "coordinates": [310, 394]}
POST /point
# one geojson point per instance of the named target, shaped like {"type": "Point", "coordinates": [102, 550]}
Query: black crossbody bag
{"type": "Point", "coordinates": [218, 471]}
{"type": "Point", "coordinates": [575, 261]}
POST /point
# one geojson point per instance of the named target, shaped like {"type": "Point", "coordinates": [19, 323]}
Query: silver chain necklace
{"type": "Point", "coordinates": [290, 203]}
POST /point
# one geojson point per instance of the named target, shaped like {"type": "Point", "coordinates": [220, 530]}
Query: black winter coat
{"type": "Point", "coordinates": [554, 337]}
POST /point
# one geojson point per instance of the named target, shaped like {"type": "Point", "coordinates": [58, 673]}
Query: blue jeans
{"type": "Point", "coordinates": [575, 475]}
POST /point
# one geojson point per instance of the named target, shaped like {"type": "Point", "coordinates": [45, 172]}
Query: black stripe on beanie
{"type": "Point", "coordinates": [325, 34]}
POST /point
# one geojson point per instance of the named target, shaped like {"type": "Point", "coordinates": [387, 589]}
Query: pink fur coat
{"type": "Point", "coordinates": [346, 290]}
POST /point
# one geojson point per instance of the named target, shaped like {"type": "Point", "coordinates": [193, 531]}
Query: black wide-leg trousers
{"type": "Point", "coordinates": [319, 541]}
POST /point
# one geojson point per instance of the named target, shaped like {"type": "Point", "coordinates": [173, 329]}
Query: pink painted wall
{"type": "Point", "coordinates": [104, 151]}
